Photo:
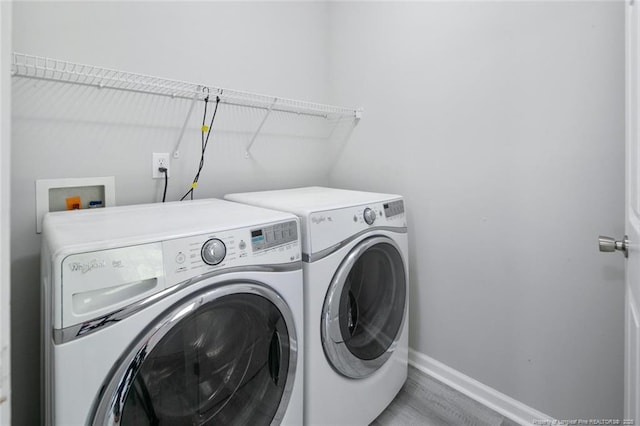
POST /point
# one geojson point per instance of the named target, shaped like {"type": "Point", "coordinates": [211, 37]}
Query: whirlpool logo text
{"type": "Point", "coordinates": [86, 267]}
{"type": "Point", "coordinates": [319, 219]}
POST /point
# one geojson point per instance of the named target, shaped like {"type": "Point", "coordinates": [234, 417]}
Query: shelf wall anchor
{"type": "Point", "coordinates": [247, 152]}
{"type": "Point", "coordinates": [176, 150]}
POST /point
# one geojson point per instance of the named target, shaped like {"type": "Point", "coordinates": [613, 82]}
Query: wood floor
{"type": "Point", "coordinates": [424, 401]}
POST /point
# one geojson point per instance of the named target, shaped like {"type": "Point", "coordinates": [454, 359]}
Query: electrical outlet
{"type": "Point", "coordinates": [159, 159]}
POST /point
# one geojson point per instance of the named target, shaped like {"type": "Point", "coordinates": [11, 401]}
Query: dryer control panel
{"type": "Point", "coordinates": [330, 227]}
{"type": "Point", "coordinates": [393, 208]}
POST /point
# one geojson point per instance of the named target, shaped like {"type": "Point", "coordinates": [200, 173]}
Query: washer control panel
{"type": "Point", "coordinates": [271, 244]}
{"type": "Point", "coordinates": [274, 235]}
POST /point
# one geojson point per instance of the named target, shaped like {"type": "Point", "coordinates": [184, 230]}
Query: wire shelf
{"type": "Point", "coordinates": [37, 67]}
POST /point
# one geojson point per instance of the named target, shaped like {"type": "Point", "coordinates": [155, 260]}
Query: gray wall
{"type": "Point", "coordinates": [5, 214]}
{"type": "Point", "coordinates": [503, 125]}
{"type": "Point", "coordinates": [501, 122]}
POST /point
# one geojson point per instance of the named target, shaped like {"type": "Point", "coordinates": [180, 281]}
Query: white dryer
{"type": "Point", "coordinates": [355, 254]}
{"type": "Point", "coordinates": [172, 314]}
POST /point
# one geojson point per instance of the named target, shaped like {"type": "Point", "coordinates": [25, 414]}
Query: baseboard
{"type": "Point", "coordinates": [497, 401]}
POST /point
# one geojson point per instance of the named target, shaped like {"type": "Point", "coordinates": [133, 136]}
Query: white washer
{"type": "Point", "coordinates": [355, 255]}
{"type": "Point", "coordinates": [176, 313]}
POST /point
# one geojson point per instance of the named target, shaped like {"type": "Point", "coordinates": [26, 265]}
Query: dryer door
{"type": "Point", "coordinates": [365, 307]}
{"type": "Point", "coordinates": [225, 355]}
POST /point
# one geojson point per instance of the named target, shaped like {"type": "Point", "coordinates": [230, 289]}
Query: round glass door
{"type": "Point", "coordinates": [215, 359]}
{"type": "Point", "coordinates": [364, 310]}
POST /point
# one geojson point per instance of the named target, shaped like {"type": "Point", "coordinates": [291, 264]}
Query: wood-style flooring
{"type": "Point", "coordinates": [424, 401]}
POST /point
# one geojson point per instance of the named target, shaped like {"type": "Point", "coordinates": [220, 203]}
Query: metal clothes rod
{"type": "Point", "coordinates": [42, 68]}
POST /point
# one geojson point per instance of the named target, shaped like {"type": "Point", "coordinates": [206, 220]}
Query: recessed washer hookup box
{"type": "Point", "coordinates": [53, 195]}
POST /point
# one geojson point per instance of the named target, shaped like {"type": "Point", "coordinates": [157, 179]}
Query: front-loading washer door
{"type": "Point", "coordinates": [364, 310]}
{"type": "Point", "coordinates": [222, 356]}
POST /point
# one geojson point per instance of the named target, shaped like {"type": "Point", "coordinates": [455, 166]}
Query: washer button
{"type": "Point", "coordinates": [213, 251]}
{"type": "Point", "coordinates": [242, 245]}
{"type": "Point", "coordinates": [180, 257]}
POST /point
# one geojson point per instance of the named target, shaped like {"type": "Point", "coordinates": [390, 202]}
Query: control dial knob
{"type": "Point", "coordinates": [213, 251]}
{"type": "Point", "coordinates": [369, 216]}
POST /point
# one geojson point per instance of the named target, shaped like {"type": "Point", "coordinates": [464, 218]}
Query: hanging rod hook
{"type": "Point", "coordinates": [206, 98]}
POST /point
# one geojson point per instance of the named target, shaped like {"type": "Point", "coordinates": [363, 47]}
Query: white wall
{"type": "Point", "coordinates": [503, 125]}
{"type": "Point", "coordinates": [61, 130]}
{"type": "Point", "coordinates": [5, 176]}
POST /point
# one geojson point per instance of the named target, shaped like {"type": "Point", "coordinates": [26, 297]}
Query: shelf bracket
{"type": "Point", "coordinates": [247, 153]}
{"type": "Point", "coordinates": [176, 150]}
